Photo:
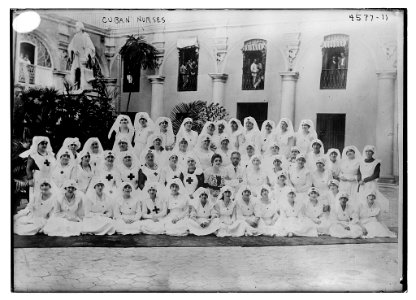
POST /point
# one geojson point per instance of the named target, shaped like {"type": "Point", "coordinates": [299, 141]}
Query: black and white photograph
{"type": "Point", "coordinates": [208, 150]}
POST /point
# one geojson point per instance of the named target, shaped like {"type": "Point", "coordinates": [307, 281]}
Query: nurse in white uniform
{"type": "Point", "coordinates": [344, 219]}
{"type": "Point", "coordinates": [315, 211]}
{"type": "Point", "coordinates": [31, 219]}
{"type": "Point", "coordinates": [246, 221]}
{"type": "Point", "coordinates": [144, 127]}
{"type": "Point", "coordinates": [154, 208]}
{"type": "Point", "coordinates": [66, 219]}
{"type": "Point", "coordinates": [369, 215]}
{"type": "Point", "coordinates": [176, 221]}
{"type": "Point", "coordinates": [292, 221]}
{"type": "Point", "coordinates": [127, 211]}
{"type": "Point", "coordinates": [186, 132]}
{"type": "Point", "coordinates": [226, 208]}
{"type": "Point", "coordinates": [266, 212]}
{"type": "Point", "coordinates": [98, 211]}
{"type": "Point", "coordinates": [203, 219]}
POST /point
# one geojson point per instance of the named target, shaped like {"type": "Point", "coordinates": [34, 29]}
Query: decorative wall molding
{"type": "Point", "coordinates": [292, 41]}
{"type": "Point", "coordinates": [389, 50]}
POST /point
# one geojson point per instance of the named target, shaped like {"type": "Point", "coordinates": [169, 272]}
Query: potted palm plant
{"type": "Point", "coordinates": [199, 111]}
{"type": "Point", "coordinates": [138, 54]}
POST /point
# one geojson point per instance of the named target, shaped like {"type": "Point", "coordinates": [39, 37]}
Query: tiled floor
{"type": "Point", "coordinates": [392, 193]}
{"type": "Point", "coordinates": [302, 268]}
{"type": "Point", "coordinates": [351, 267]}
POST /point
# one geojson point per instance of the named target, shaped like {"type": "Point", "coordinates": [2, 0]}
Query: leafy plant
{"type": "Point", "coordinates": [19, 182]}
{"type": "Point", "coordinates": [48, 112]}
{"type": "Point", "coordinates": [138, 54]}
{"type": "Point", "coordinates": [199, 111]}
{"type": "Point", "coordinates": [45, 111]}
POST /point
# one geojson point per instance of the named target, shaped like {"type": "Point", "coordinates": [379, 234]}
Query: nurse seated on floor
{"type": "Point", "coordinates": [292, 220]}
{"type": "Point", "coordinates": [315, 211]}
{"type": "Point", "coordinates": [265, 210]}
{"type": "Point", "coordinates": [226, 209]}
{"type": "Point", "coordinates": [176, 221]}
{"type": "Point", "coordinates": [33, 217]}
{"type": "Point", "coordinates": [68, 212]}
{"type": "Point", "coordinates": [369, 214]}
{"type": "Point", "coordinates": [127, 210]}
{"type": "Point", "coordinates": [246, 221]}
{"type": "Point", "coordinates": [98, 210]}
{"type": "Point", "coordinates": [203, 217]}
{"type": "Point", "coordinates": [154, 208]}
{"type": "Point", "coordinates": [344, 219]}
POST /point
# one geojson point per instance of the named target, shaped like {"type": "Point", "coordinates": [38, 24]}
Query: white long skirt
{"type": "Point", "coordinates": [377, 229]}
{"type": "Point", "coordinates": [28, 225]}
{"type": "Point", "coordinates": [98, 225]}
{"type": "Point", "coordinates": [180, 228]}
{"type": "Point", "coordinates": [195, 228]}
{"type": "Point", "coordinates": [267, 227]}
{"type": "Point", "coordinates": [225, 224]}
{"type": "Point", "coordinates": [121, 227]}
{"type": "Point", "coordinates": [59, 226]}
{"type": "Point", "coordinates": [296, 226]}
{"type": "Point", "coordinates": [323, 227]}
{"type": "Point", "coordinates": [243, 228]}
{"type": "Point", "coordinates": [151, 227]}
{"type": "Point", "coordinates": [337, 230]}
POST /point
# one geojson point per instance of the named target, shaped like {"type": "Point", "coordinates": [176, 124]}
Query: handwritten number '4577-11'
{"type": "Point", "coordinates": [367, 17]}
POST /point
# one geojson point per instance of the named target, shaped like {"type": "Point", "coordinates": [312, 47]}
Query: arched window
{"type": "Point", "coordinates": [35, 63]}
{"type": "Point", "coordinates": [254, 64]}
{"type": "Point", "coordinates": [334, 61]}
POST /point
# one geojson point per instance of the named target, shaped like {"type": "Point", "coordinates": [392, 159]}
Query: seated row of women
{"type": "Point", "coordinates": [169, 210]}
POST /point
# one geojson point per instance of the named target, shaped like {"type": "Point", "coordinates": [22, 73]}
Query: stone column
{"type": "Point", "coordinates": [218, 84]}
{"type": "Point", "coordinates": [288, 95]}
{"type": "Point", "coordinates": [385, 121]}
{"type": "Point", "coordinates": [156, 109]}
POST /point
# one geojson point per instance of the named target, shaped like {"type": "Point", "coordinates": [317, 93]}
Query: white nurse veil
{"type": "Point", "coordinates": [252, 120]}
{"type": "Point", "coordinates": [290, 129]}
{"type": "Point", "coordinates": [170, 127]}
{"type": "Point", "coordinates": [143, 115]}
{"type": "Point", "coordinates": [356, 151]}
{"type": "Point", "coordinates": [34, 146]}
{"type": "Point", "coordinates": [182, 127]}
{"type": "Point", "coordinates": [263, 127]}
{"type": "Point", "coordinates": [89, 142]}
{"type": "Point", "coordinates": [311, 127]}
{"type": "Point", "coordinates": [239, 125]}
{"type": "Point", "coordinates": [116, 125]}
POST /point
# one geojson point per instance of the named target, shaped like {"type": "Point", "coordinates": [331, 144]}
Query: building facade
{"type": "Point", "coordinates": [341, 69]}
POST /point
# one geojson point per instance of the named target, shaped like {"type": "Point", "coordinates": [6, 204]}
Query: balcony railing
{"type": "Point", "coordinates": [334, 79]}
{"type": "Point", "coordinates": [35, 75]}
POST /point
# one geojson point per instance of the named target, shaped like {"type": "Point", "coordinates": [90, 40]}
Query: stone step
{"type": "Point", "coordinates": [388, 180]}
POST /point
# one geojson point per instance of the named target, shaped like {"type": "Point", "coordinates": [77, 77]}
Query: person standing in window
{"type": "Point", "coordinates": [342, 61]}
{"type": "Point", "coordinates": [184, 75]}
{"type": "Point", "coordinates": [342, 66]}
{"type": "Point", "coordinates": [333, 65]}
{"type": "Point", "coordinates": [254, 70]}
{"type": "Point", "coordinates": [192, 68]}
{"type": "Point", "coordinates": [260, 76]}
